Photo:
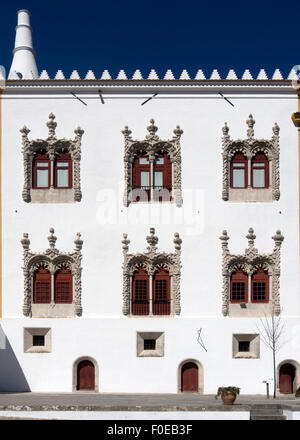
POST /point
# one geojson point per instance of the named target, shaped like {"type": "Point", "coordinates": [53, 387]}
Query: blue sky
{"type": "Point", "coordinates": [132, 34]}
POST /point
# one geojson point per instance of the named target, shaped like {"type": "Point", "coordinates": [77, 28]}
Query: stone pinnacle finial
{"type": "Point", "coordinates": [276, 129]}
{"type": "Point", "coordinates": [152, 240]}
{"type": "Point", "coordinates": [25, 242]}
{"type": "Point", "coordinates": [125, 243]}
{"type": "Point", "coordinates": [177, 242]}
{"type": "Point", "coordinates": [126, 132]}
{"type": "Point", "coordinates": [51, 124]}
{"type": "Point", "coordinates": [250, 122]}
{"type": "Point", "coordinates": [278, 238]}
{"type": "Point", "coordinates": [224, 239]}
{"type": "Point", "coordinates": [251, 237]}
{"type": "Point", "coordinates": [23, 64]}
{"type": "Point", "coordinates": [78, 242]}
{"type": "Point", "coordinates": [225, 129]}
{"type": "Point", "coordinates": [52, 239]}
{"type": "Point", "coordinates": [152, 128]}
{"type": "Point", "coordinates": [177, 131]}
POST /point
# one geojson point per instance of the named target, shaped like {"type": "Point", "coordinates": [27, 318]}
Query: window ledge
{"type": "Point", "coordinates": [52, 195]}
{"type": "Point", "coordinates": [53, 310]}
{"type": "Point", "coordinates": [250, 195]}
{"type": "Point", "coordinates": [150, 353]}
{"type": "Point", "coordinates": [244, 355]}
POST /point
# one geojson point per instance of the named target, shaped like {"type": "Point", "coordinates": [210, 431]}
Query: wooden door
{"type": "Point", "coordinates": [286, 378]}
{"type": "Point", "coordinates": [189, 378]}
{"type": "Point", "coordinates": [86, 375]}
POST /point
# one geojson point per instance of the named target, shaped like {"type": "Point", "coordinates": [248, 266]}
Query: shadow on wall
{"type": "Point", "coordinates": [12, 378]}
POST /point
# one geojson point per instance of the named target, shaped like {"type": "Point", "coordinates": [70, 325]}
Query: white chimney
{"type": "Point", "coordinates": [23, 65]}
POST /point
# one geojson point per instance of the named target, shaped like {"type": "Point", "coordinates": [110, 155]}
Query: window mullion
{"type": "Point", "coordinates": [51, 171]}
{"type": "Point", "coordinates": [249, 173]}
{"type": "Point", "coordinates": [150, 295]}
{"type": "Point", "coordinates": [52, 289]}
{"type": "Point", "coordinates": [151, 178]}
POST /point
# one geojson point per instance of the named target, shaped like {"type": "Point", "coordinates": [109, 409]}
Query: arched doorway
{"type": "Point", "coordinates": [85, 375]}
{"type": "Point", "coordinates": [286, 378]}
{"type": "Point", "coordinates": [189, 378]}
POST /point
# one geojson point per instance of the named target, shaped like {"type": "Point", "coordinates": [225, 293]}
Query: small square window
{"type": "Point", "coordinates": [149, 344]}
{"type": "Point", "coordinates": [244, 345]}
{"type": "Point", "coordinates": [38, 340]}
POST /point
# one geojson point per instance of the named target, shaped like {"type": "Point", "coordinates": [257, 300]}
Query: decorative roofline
{"type": "Point", "coordinates": [169, 76]}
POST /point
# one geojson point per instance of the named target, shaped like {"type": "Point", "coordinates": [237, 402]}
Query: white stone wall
{"type": "Point", "coordinates": [103, 332]}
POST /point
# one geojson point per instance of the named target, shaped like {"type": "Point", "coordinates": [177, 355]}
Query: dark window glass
{"type": "Point", "coordinates": [244, 345]}
{"type": "Point", "coordinates": [149, 344]}
{"type": "Point", "coordinates": [38, 341]}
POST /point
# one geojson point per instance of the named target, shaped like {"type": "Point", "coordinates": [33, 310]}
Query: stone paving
{"type": "Point", "coordinates": [136, 402]}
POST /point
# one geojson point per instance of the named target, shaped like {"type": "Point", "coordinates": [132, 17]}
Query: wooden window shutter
{"type": "Point", "coordinates": [140, 293]}
{"type": "Point", "coordinates": [63, 287]}
{"type": "Point", "coordinates": [42, 287]}
{"type": "Point", "coordinates": [260, 286]}
{"type": "Point", "coordinates": [239, 287]}
{"type": "Point", "coordinates": [161, 293]}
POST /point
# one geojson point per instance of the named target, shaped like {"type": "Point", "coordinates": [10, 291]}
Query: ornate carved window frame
{"type": "Point", "coordinates": [150, 261]}
{"type": "Point", "coordinates": [52, 259]}
{"type": "Point", "coordinates": [250, 147]}
{"type": "Point", "coordinates": [152, 145]}
{"type": "Point", "coordinates": [51, 146]}
{"type": "Point", "coordinates": [249, 263]}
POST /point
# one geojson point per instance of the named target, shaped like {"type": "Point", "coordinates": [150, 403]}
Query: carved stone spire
{"type": "Point", "coordinates": [126, 132]}
{"type": "Point", "coordinates": [177, 242]}
{"type": "Point", "coordinates": [224, 239]}
{"type": "Point", "coordinates": [276, 129]}
{"type": "Point", "coordinates": [152, 240]}
{"type": "Point", "coordinates": [78, 242]}
{"type": "Point", "coordinates": [225, 130]}
{"type": "Point", "coordinates": [177, 132]}
{"type": "Point", "coordinates": [278, 238]}
{"type": "Point", "coordinates": [125, 243]}
{"type": "Point", "coordinates": [51, 124]}
{"type": "Point", "coordinates": [25, 242]}
{"type": "Point", "coordinates": [23, 65]}
{"type": "Point", "coordinates": [251, 237]}
{"type": "Point", "coordinates": [52, 239]}
{"type": "Point", "coordinates": [152, 128]}
{"type": "Point", "coordinates": [250, 122]}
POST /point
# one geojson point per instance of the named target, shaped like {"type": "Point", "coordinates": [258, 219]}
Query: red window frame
{"type": "Point", "coordinates": [140, 293]}
{"type": "Point", "coordinates": [63, 157]}
{"type": "Point", "coordinates": [161, 293]}
{"type": "Point", "coordinates": [40, 157]}
{"type": "Point", "coordinates": [163, 193]}
{"type": "Point", "coordinates": [42, 286]}
{"type": "Point", "coordinates": [239, 158]}
{"type": "Point", "coordinates": [137, 169]}
{"type": "Point", "coordinates": [260, 158]}
{"type": "Point", "coordinates": [63, 286]}
{"type": "Point", "coordinates": [259, 280]}
{"type": "Point", "coordinates": [238, 277]}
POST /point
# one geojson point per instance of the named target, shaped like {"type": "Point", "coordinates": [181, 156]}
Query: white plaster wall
{"type": "Point", "coordinates": [112, 343]}
{"type": "Point", "coordinates": [103, 332]}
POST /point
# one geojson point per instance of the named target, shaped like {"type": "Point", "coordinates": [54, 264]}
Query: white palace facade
{"type": "Point", "coordinates": [150, 227]}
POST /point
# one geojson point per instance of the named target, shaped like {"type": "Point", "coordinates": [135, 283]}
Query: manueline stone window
{"type": "Point", "coordinates": [51, 167]}
{"type": "Point", "coordinates": [152, 168]}
{"type": "Point", "coordinates": [250, 166]}
{"type": "Point", "coordinates": [151, 280]}
{"type": "Point", "coordinates": [52, 281]}
{"type": "Point", "coordinates": [251, 280]}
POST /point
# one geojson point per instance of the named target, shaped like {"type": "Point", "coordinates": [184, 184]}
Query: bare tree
{"type": "Point", "coordinates": [271, 331]}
